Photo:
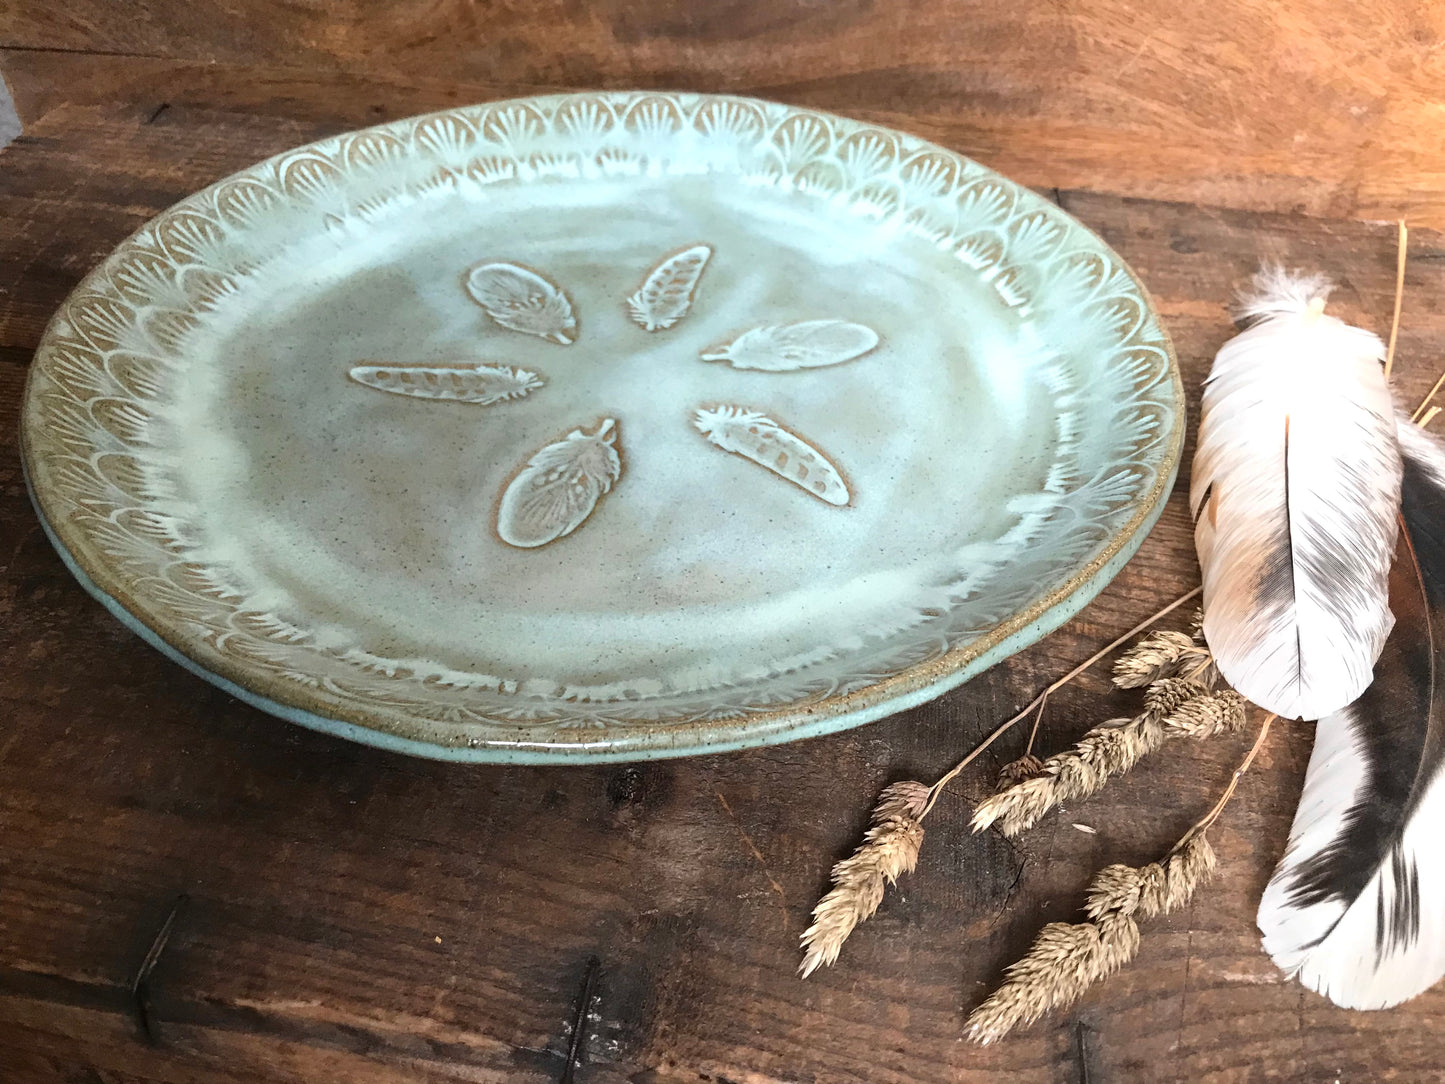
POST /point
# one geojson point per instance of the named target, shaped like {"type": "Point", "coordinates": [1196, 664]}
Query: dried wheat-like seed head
{"type": "Point", "coordinates": [1184, 870]}
{"type": "Point", "coordinates": [1155, 889]}
{"type": "Point", "coordinates": [1206, 716]}
{"type": "Point", "coordinates": [1067, 959]}
{"type": "Point", "coordinates": [1166, 694]}
{"type": "Point", "coordinates": [905, 799]}
{"type": "Point", "coordinates": [889, 850]}
{"type": "Point", "coordinates": [1016, 771]}
{"type": "Point", "coordinates": [1114, 747]}
{"type": "Point", "coordinates": [1158, 655]}
{"type": "Point", "coordinates": [1116, 888]}
{"type": "Point", "coordinates": [1110, 749]}
{"type": "Point", "coordinates": [1064, 961]}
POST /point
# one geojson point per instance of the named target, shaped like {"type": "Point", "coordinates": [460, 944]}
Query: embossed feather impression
{"type": "Point", "coordinates": [666, 294]}
{"type": "Point", "coordinates": [482, 384]}
{"type": "Point", "coordinates": [759, 438]}
{"type": "Point", "coordinates": [811, 344]}
{"type": "Point", "coordinates": [559, 487]}
{"type": "Point", "coordinates": [522, 300]}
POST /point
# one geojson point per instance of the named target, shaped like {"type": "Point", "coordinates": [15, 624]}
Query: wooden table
{"type": "Point", "coordinates": [302, 909]}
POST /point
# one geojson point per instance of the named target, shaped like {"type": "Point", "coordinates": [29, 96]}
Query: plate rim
{"type": "Point", "coordinates": [899, 691]}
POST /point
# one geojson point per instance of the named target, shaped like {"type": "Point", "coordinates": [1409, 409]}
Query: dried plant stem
{"type": "Point", "coordinates": [1203, 824]}
{"type": "Point", "coordinates": [1038, 701]}
{"type": "Point", "coordinates": [1425, 402]}
{"type": "Point", "coordinates": [1034, 730]}
{"type": "Point", "coordinates": [937, 788]}
{"type": "Point", "coordinates": [1066, 959]}
{"type": "Point", "coordinates": [1400, 254]}
{"type": "Point", "coordinates": [1425, 413]}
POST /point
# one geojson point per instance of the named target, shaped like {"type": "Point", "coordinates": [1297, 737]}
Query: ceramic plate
{"type": "Point", "coordinates": [602, 426]}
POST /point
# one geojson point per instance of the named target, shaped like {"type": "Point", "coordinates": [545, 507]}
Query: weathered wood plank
{"type": "Point", "coordinates": [322, 874]}
{"type": "Point", "coordinates": [41, 80]}
{"type": "Point", "coordinates": [1329, 109]}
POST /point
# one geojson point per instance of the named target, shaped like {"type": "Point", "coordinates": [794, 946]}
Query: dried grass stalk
{"type": "Point", "coordinates": [1159, 655]}
{"type": "Point", "coordinates": [1110, 749]}
{"type": "Point", "coordinates": [1066, 959]}
{"type": "Point", "coordinates": [889, 850]}
{"type": "Point", "coordinates": [1038, 702]}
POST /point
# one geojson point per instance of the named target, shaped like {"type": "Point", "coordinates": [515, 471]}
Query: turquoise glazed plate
{"type": "Point", "coordinates": [602, 427]}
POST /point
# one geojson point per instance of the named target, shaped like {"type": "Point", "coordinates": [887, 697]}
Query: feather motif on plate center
{"type": "Point", "coordinates": [482, 384]}
{"type": "Point", "coordinates": [559, 487]}
{"type": "Point", "coordinates": [811, 344]}
{"type": "Point", "coordinates": [1295, 487]}
{"type": "Point", "coordinates": [758, 438]}
{"type": "Point", "coordinates": [666, 294]}
{"type": "Point", "coordinates": [522, 300]}
{"type": "Point", "coordinates": [1357, 907]}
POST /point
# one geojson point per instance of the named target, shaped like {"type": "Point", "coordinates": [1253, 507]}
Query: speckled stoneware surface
{"type": "Point", "coordinates": [602, 426]}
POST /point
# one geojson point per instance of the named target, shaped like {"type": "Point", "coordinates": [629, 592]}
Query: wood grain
{"type": "Point", "coordinates": [356, 915]}
{"type": "Point", "coordinates": [1326, 108]}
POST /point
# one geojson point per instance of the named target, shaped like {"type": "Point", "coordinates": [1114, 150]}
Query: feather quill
{"type": "Point", "coordinates": [1357, 907]}
{"type": "Point", "coordinates": [1294, 490]}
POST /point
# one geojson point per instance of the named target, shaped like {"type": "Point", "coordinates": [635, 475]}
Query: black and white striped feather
{"type": "Point", "coordinates": [1357, 907]}
{"type": "Point", "coordinates": [1294, 489]}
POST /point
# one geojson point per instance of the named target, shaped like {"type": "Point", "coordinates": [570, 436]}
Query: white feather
{"type": "Point", "coordinates": [1330, 946]}
{"type": "Point", "coordinates": [1356, 908]}
{"type": "Point", "coordinates": [1294, 489]}
{"type": "Point", "coordinates": [1278, 292]}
